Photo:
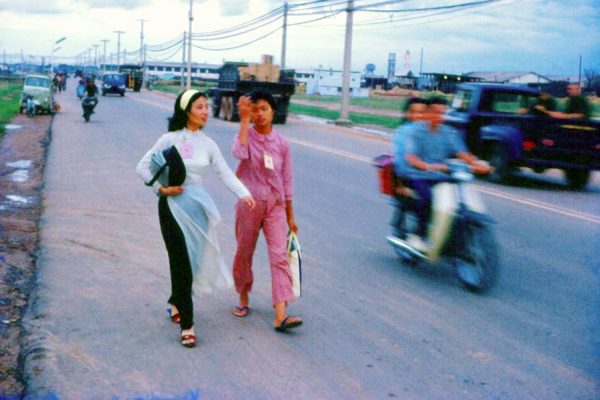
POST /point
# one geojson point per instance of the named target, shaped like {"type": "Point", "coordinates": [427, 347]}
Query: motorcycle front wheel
{"type": "Point", "coordinates": [477, 267]}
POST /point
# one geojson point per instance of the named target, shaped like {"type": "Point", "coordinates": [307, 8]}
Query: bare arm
{"type": "Point", "coordinates": [245, 112]}
{"type": "Point", "coordinates": [416, 162]}
{"type": "Point", "coordinates": [289, 212]}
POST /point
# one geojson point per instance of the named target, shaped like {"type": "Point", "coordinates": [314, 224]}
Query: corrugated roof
{"type": "Point", "coordinates": [499, 76]}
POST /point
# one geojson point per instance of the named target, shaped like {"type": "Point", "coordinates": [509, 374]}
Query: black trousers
{"type": "Point", "coordinates": [179, 264]}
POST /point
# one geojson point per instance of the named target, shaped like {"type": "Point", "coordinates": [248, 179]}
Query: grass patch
{"type": "Point", "coordinates": [174, 86]}
{"type": "Point", "coordinates": [394, 103]}
{"type": "Point", "coordinates": [357, 118]}
{"type": "Point", "coordinates": [10, 93]}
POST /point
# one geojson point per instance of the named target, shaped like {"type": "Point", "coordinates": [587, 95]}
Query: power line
{"type": "Point", "coordinates": [241, 45]}
{"type": "Point", "coordinates": [448, 7]}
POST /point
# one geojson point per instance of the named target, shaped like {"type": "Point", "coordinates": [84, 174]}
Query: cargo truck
{"type": "Point", "coordinates": [237, 79]}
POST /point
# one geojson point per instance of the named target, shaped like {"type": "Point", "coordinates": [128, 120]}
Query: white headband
{"type": "Point", "coordinates": [185, 99]}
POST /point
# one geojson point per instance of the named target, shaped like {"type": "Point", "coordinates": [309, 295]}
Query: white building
{"type": "Point", "coordinates": [514, 78]}
{"type": "Point", "coordinates": [168, 69]}
{"type": "Point", "coordinates": [328, 82]}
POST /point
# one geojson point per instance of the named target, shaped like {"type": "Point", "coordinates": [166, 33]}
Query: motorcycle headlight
{"type": "Point", "coordinates": [122, 87]}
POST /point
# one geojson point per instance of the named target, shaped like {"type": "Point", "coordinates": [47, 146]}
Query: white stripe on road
{"type": "Point", "coordinates": [330, 150]}
{"type": "Point", "coordinates": [492, 192]}
{"type": "Point", "coordinates": [169, 107]}
{"type": "Point", "coordinates": [540, 204]}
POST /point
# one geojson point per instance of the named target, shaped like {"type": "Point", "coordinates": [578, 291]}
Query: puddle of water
{"type": "Point", "coordinates": [21, 164]}
{"type": "Point", "coordinates": [18, 199]}
{"type": "Point", "coordinates": [20, 175]}
{"type": "Point", "coordinates": [12, 127]}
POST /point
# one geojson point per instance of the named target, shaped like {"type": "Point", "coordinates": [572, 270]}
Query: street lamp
{"type": "Point", "coordinates": [54, 49]}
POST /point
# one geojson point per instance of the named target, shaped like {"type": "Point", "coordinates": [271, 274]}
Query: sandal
{"type": "Point", "coordinates": [241, 311]}
{"type": "Point", "coordinates": [188, 341]}
{"type": "Point", "coordinates": [176, 318]}
{"type": "Point", "coordinates": [285, 325]}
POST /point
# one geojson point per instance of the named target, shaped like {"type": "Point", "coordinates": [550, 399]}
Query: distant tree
{"type": "Point", "coordinates": [592, 80]}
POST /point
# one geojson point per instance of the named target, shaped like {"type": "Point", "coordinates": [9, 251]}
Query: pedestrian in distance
{"type": "Point", "coordinates": [266, 169]}
{"type": "Point", "coordinates": [187, 213]}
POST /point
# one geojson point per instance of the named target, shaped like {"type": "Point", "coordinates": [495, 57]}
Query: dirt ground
{"type": "Point", "coordinates": [22, 161]}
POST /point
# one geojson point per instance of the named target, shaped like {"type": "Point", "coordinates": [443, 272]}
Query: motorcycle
{"type": "Point", "coordinates": [460, 231]}
{"type": "Point", "coordinates": [88, 104]}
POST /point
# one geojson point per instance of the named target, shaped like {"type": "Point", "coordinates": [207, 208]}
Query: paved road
{"type": "Point", "coordinates": [374, 328]}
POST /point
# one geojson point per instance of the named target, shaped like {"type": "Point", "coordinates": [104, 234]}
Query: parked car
{"type": "Point", "coordinates": [41, 90]}
{"type": "Point", "coordinates": [498, 125]}
{"type": "Point", "coordinates": [113, 83]}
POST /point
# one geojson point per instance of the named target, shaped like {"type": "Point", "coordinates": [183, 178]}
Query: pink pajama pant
{"type": "Point", "coordinates": [270, 216]}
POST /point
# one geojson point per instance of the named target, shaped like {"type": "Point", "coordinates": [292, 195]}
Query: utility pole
{"type": "Point", "coordinates": [96, 54]}
{"type": "Point", "coordinates": [580, 61]}
{"type": "Point", "coordinates": [347, 66]}
{"type": "Point", "coordinates": [104, 55]}
{"type": "Point", "coordinates": [183, 60]}
{"type": "Point", "coordinates": [189, 52]}
{"type": "Point", "coordinates": [421, 63]}
{"type": "Point", "coordinates": [284, 36]}
{"type": "Point", "coordinates": [118, 47]}
{"type": "Point", "coordinates": [142, 41]}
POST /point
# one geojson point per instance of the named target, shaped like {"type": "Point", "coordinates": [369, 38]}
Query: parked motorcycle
{"type": "Point", "coordinates": [460, 231]}
{"type": "Point", "coordinates": [88, 104]}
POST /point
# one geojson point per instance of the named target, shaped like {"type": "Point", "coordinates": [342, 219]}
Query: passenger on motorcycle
{"type": "Point", "coordinates": [428, 147]}
{"type": "Point", "coordinates": [414, 112]}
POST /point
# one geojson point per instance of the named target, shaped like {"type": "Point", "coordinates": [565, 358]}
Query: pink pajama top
{"type": "Point", "coordinates": [265, 165]}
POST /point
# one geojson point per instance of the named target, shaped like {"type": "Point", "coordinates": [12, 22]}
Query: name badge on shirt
{"type": "Point", "coordinates": [268, 161]}
{"type": "Point", "coordinates": [187, 150]}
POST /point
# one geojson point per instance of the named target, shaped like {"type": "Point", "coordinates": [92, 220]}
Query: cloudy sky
{"type": "Point", "coordinates": [545, 36]}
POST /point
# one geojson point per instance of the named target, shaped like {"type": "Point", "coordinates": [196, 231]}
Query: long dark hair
{"type": "Point", "coordinates": [178, 120]}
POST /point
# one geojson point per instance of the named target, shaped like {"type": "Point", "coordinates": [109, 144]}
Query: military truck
{"type": "Point", "coordinates": [237, 79]}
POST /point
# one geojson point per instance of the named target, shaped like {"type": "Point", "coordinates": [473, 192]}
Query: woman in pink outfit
{"type": "Point", "coordinates": [266, 170]}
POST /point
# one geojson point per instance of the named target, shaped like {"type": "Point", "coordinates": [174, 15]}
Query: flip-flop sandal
{"type": "Point", "coordinates": [188, 341]}
{"type": "Point", "coordinates": [288, 325]}
{"type": "Point", "coordinates": [241, 311]}
{"type": "Point", "coordinates": [176, 318]}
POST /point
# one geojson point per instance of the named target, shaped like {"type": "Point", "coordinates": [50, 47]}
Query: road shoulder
{"type": "Point", "coordinates": [22, 161]}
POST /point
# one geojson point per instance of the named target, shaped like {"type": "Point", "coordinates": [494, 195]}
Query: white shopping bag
{"type": "Point", "coordinates": [295, 259]}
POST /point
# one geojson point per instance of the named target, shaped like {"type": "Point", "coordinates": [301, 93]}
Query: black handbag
{"type": "Point", "coordinates": [173, 169]}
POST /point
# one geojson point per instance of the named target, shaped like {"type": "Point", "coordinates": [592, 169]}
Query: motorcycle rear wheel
{"type": "Point", "coordinates": [477, 268]}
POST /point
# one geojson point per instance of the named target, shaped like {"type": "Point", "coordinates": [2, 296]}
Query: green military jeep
{"type": "Point", "coordinates": [39, 87]}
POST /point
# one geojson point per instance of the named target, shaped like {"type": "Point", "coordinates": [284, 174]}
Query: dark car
{"type": "Point", "coordinates": [113, 83]}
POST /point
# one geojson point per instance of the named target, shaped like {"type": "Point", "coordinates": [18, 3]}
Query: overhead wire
{"type": "Point", "coordinates": [275, 12]}
{"type": "Point", "coordinates": [238, 46]}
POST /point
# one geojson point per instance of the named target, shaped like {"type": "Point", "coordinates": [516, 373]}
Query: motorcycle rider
{"type": "Point", "coordinates": [428, 147]}
{"type": "Point", "coordinates": [90, 87]}
{"type": "Point", "coordinates": [91, 90]}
